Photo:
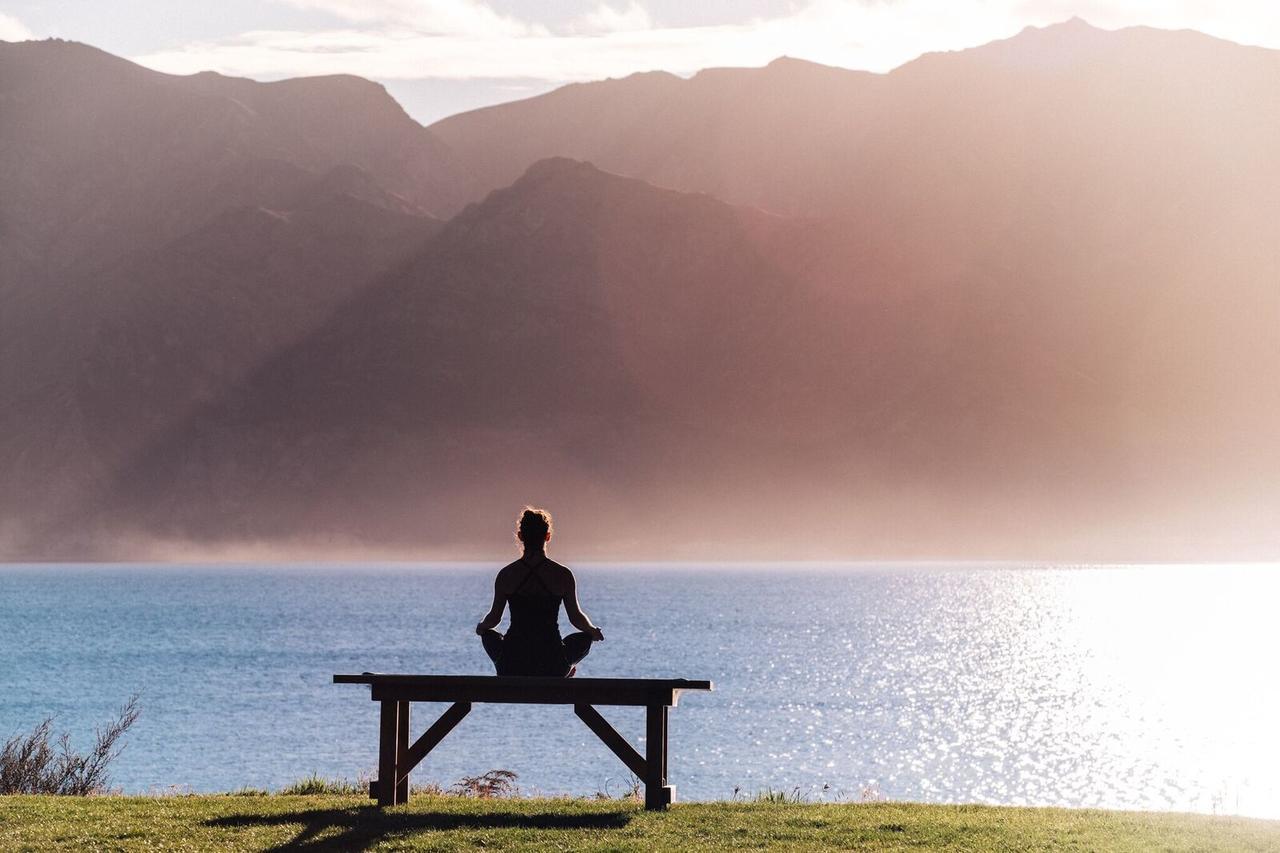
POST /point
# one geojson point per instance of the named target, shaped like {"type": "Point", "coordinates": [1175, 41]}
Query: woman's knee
{"type": "Point", "coordinates": [492, 641]}
{"type": "Point", "coordinates": [577, 646]}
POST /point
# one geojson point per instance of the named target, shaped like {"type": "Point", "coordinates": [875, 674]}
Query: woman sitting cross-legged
{"type": "Point", "coordinates": [534, 586]}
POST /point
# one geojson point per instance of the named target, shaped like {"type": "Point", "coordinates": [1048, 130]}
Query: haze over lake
{"type": "Point", "coordinates": [1148, 688]}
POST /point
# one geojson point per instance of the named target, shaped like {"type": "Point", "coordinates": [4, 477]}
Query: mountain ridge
{"type": "Point", "coordinates": [724, 129]}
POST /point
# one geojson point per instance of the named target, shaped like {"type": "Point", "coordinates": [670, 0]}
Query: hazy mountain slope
{"type": "Point", "coordinates": [752, 136]}
{"type": "Point", "coordinates": [100, 157]}
{"type": "Point", "coordinates": [663, 365]}
{"type": "Point", "coordinates": [160, 235]}
{"type": "Point", "coordinates": [90, 380]}
{"type": "Point", "coordinates": [525, 347]}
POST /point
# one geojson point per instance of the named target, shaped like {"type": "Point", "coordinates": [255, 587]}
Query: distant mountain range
{"type": "Point", "coordinates": [1015, 302]}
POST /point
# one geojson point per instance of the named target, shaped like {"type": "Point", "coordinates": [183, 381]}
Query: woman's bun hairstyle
{"type": "Point", "coordinates": [534, 526]}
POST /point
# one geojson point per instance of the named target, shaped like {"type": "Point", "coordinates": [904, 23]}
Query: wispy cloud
{"type": "Point", "coordinates": [11, 29]}
{"type": "Point", "coordinates": [604, 18]}
{"type": "Point", "coordinates": [458, 18]}
{"type": "Point", "coordinates": [467, 39]}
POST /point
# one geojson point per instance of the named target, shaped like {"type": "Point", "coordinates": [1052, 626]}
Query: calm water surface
{"type": "Point", "coordinates": [1149, 688]}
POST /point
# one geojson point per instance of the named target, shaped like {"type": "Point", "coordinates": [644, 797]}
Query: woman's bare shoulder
{"type": "Point", "coordinates": [561, 571]}
{"type": "Point", "coordinates": [505, 573]}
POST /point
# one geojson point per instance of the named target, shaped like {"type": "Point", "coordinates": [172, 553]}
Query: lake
{"type": "Point", "coordinates": [1120, 687]}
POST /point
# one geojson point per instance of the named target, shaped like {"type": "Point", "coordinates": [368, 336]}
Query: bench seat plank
{"type": "Point", "coordinates": [540, 691]}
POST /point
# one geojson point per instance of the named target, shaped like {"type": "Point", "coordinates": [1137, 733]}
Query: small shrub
{"type": "Point", "coordinates": [39, 763]}
{"type": "Point", "coordinates": [495, 783]}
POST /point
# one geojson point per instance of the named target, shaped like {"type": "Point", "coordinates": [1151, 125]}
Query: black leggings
{"type": "Point", "coordinates": [523, 659]}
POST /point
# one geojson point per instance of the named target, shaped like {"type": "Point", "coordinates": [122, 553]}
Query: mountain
{"type": "Point", "coordinates": [166, 331]}
{"type": "Point", "coordinates": [979, 129]}
{"type": "Point", "coordinates": [1018, 301]}
{"type": "Point", "coordinates": [159, 235]}
{"type": "Point", "coordinates": [100, 157]}
{"type": "Point", "coordinates": [1098, 205]}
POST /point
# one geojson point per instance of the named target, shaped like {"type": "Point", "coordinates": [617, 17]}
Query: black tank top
{"type": "Point", "coordinates": [535, 609]}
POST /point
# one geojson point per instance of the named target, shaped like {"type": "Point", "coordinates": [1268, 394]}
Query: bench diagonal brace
{"type": "Point", "coordinates": [616, 742]}
{"type": "Point", "coordinates": [432, 737]}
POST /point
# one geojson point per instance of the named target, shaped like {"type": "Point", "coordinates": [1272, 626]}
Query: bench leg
{"type": "Point", "coordinates": [402, 752]}
{"type": "Point", "coordinates": [388, 738]}
{"type": "Point", "coordinates": [397, 757]}
{"type": "Point", "coordinates": [657, 794]}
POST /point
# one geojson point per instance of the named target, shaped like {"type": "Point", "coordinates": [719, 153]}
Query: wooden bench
{"type": "Point", "coordinates": [397, 757]}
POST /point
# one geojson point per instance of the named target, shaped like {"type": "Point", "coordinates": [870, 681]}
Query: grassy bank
{"type": "Point", "coordinates": [449, 823]}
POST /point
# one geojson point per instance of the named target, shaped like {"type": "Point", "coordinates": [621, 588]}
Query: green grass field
{"type": "Point", "coordinates": [280, 822]}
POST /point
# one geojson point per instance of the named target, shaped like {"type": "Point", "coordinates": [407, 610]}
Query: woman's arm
{"type": "Point", "coordinates": [494, 616]}
{"type": "Point", "coordinates": [577, 618]}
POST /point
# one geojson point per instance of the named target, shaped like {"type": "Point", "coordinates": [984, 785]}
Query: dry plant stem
{"type": "Point", "coordinates": [495, 783]}
{"type": "Point", "coordinates": [31, 764]}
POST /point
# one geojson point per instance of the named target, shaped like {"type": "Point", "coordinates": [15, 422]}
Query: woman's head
{"type": "Point", "coordinates": [534, 527]}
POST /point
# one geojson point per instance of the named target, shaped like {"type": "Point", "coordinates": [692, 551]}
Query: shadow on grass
{"type": "Point", "coordinates": [360, 827]}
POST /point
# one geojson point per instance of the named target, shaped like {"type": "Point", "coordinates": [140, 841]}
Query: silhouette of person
{"type": "Point", "coordinates": [534, 586]}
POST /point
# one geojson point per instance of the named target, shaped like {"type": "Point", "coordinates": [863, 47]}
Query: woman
{"type": "Point", "coordinates": [534, 586]}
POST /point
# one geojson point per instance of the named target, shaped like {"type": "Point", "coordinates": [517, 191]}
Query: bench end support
{"type": "Point", "coordinates": [659, 797]}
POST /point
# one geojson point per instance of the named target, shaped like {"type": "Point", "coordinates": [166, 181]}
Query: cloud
{"type": "Point", "coordinates": [465, 18]}
{"type": "Point", "coordinates": [11, 29]}
{"type": "Point", "coordinates": [467, 39]}
{"type": "Point", "coordinates": [606, 19]}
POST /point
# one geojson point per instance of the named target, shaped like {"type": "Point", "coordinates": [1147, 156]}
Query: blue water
{"type": "Point", "coordinates": [1150, 688]}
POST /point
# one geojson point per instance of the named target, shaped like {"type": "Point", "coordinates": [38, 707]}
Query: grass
{"type": "Point", "coordinates": [315, 784]}
{"type": "Point", "coordinates": [327, 822]}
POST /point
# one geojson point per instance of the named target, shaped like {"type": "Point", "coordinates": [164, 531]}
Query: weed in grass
{"type": "Point", "coordinates": [495, 783]}
{"type": "Point", "coordinates": [630, 789]}
{"type": "Point", "coordinates": [794, 796]}
{"type": "Point", "coordinates": [157, 791]}
{"type": "Point", "coordinates": [428, 789]}
{"type": "Point", "coordinates": [316, 784]}
{"type": "Point", "coordinates": [869, 793]}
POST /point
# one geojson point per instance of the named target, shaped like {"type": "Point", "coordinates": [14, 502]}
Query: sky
{"type": "Point", "coordinates": [439, 57]}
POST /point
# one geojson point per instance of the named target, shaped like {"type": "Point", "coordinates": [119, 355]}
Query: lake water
{"type": "Point", "coordinates": [1146, 688]}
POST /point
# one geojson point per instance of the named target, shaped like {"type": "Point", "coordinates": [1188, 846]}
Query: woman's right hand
{"type": "Point", "coordinates": [597, 635]}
